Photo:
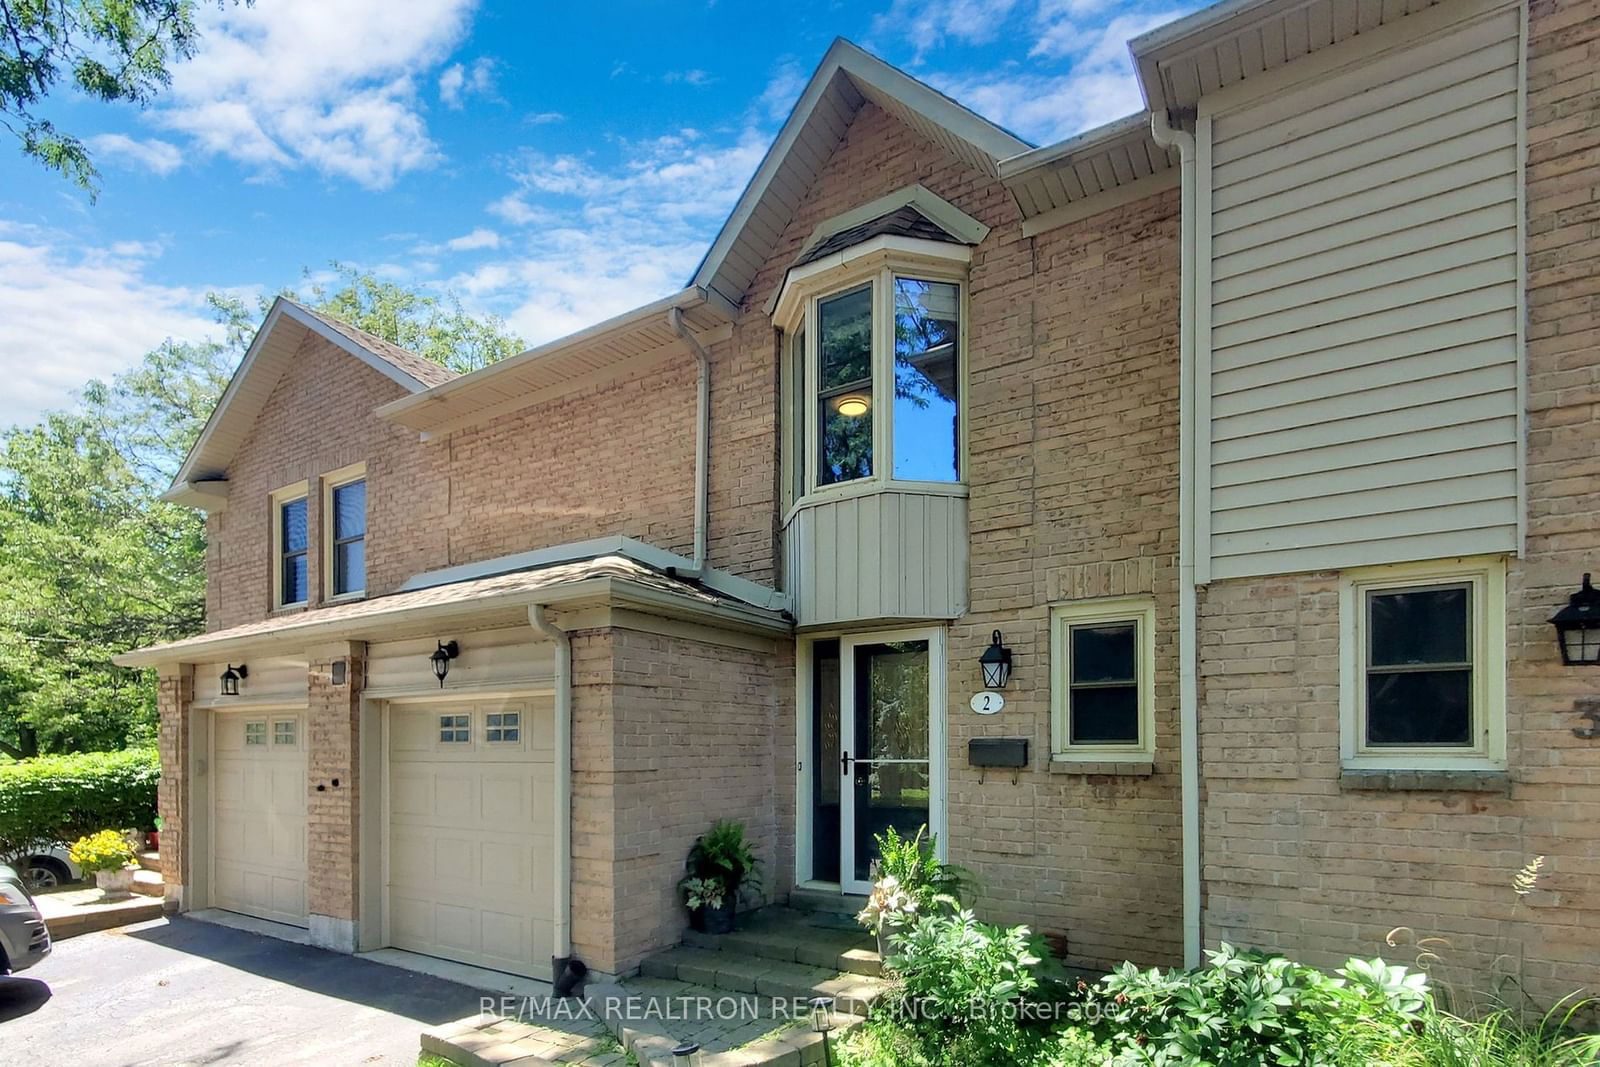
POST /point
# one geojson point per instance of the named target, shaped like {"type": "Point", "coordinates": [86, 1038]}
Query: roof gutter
{"type": "Point", "coordinates": [702, 442]}
{"type": "Point", "coordinates": [1170, 136]}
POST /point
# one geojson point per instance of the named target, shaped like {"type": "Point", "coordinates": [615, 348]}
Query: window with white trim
{"type": "Point", "coordinates": [255, 732]}
{"type": "Point", "coordinates": [455, 729]}
{"type": "Point", "coordinates": [291, 547]}
{"type": "Point", "coordinates": [1102, 679]}
{"type": "Point", "coordinates": [878, 362]}
{"type": "Point", "coordinates": [502, 726]}
{"type": "Point", "coordinates": [285, 731]}
{"type": "Point", "coordinates": [347, 537]}
{"type": "Point", "coordinates": [1423, 665]}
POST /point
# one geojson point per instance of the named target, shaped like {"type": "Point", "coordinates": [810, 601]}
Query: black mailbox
{"type": "Point", "coordinates": [998, 752]}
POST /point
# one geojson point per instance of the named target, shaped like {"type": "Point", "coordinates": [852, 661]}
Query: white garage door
{"type": "Point", "coordinates": [258, 815]}
{"type": "Point", "coordinates": [470, 835]}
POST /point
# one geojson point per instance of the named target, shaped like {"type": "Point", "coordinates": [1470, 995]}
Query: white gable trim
{"type": "Point", "coordinates": [869, 73]}
{"type": "Point", "coordinates": [185, 487]}
{"type": "Point", "coordinates": [935, 208]}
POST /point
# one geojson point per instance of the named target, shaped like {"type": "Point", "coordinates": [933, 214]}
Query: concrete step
{"type": "Point", "coordinates": [827, 902]}
{"type": "Point", "coordinates": [790, 936]}
{"type": "Point", "coordinates": [651, 1016]}
{"type": "Point", "coordinates": [149, 883]}
{"type": "Point", "coordinates": [150, 861]}
{"type": "Point", "coordinates": [798, 983]}
{"type": "Point", "coordinates": [71, 912]}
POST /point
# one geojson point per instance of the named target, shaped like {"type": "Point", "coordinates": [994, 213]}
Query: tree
{"type": "Point", "coordinates": [113, 50]}
{"type": "Point", "coordinates": [93, 562]}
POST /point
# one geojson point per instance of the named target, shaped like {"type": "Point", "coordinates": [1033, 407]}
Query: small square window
{"type": "Point", "coordinates": [503, 726]}
{"type": "Point", "coordinates": [1422, 672]}
{"type": "Point", "coordinates": [283, 732]}
{"type": "Point", "coordinates": [255, 733]}
{"type": "Point", "coordinates": [1101, 693]}
{"type": "Point", "coordinates": [455, 729]}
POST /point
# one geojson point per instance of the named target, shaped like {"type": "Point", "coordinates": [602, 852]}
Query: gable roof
{"type": "Point", "coordinates": [201, 480]}
{"type": "Point", "coordinates": [846, 80]}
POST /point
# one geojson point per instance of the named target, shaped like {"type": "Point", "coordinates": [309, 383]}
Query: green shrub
{"type": "Point", "coordinates": [61, 798]}
{"type": "Point", "coordinates": [1496, 1040]}
{"type": "Point", "coordinates": [1248, 1009]}
{"type": "Point", "coordinates": [963, 994]}
{"type": "Point", "coordinates": [722, 855]}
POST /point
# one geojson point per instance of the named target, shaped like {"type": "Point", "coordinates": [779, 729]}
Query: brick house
{"type": "Point", "coordinates": [1259, 428]}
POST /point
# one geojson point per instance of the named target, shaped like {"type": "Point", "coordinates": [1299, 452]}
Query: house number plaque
{"type": "Point", "coordinates": [987, 703]}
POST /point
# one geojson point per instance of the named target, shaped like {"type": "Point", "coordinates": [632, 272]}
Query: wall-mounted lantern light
{"type": "Point", "coordinates": [447, 651]}
{"type": "Point", "coordinates": [996, 664]}
{"type": "Point", "coordinates": [1578, 627]}
{"type": "Point", "coordinates": [230, 679]}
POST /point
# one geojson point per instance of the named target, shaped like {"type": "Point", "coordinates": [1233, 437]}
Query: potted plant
{"type": "Point", "coordinates": [110, 858]}
{"type": "Point", "coordinates": [720, 864]}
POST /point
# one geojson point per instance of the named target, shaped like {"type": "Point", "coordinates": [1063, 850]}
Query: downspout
{"type": "Point", "coordinates": [566, 972]}
{"type": "Point", "coordinates": [702, 442]}
{"type": "Point", "coordinates": [1170, 136]}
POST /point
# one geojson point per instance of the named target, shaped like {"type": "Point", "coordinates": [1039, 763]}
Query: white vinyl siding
{"type": "Point", "coordinates": [1360, 349]}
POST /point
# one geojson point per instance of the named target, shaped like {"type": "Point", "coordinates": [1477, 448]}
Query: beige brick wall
{"type": "Point", "coordinates": [1293, 862]}
{"type": "Point", "coordinates": [669, 734]}
{"type": "Point", "coordinates": [333, 789]}
{"type": "Point", "coordinates": [174, 701]}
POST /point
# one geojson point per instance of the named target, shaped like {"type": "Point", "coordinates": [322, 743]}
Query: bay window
{"type": "Point", "coordinates": [878, 365]}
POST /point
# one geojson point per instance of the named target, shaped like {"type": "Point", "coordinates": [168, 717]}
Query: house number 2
{"type": "Point", "coordinates": [987, 703]}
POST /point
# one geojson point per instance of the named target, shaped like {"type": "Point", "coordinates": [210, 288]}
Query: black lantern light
{"type": "Point", "coordinates": [686, 1054]}
{"type": "Point", "coordinates": [996, 664]}
{"type": "Point", "coordinates": [1578, 627]}
{"type": "Point", "coordinates": [822, 1023]}
{"type": "Point", "coordinates": [230, 679]}
{"type": "Point", "coordinates": [447, 651]}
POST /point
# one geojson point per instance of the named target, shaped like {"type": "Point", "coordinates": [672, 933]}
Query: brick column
{"type": "Point", "coordinates": [174, 701]}
{"type": "Point", "coordinates": [333, 797]}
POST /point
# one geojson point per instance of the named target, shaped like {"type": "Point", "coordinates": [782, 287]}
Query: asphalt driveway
{"type": "Point", "coordinates": [177, 992]}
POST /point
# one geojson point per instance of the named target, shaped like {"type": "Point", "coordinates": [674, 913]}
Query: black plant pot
{"type": "Point", "coordinates": [708, 920]}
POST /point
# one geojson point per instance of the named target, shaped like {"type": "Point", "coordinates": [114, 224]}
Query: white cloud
{"type": "Point", "coordinates": [328, 84]}
{"type": "Point", "coordinates": [927, 23]}
{"type": "Point", "coordinates": [609, 238]}
{"type": "Point", "coordinates": [460, 81]}
{"type": "Point", "coordinates": [784, 86]}
{"type": "Point", "coordinates": [696, 78]}
{"type": "Point", "coordinates": [87, 314]}
{"type": "Point", "coordinates": [1097, 86]}
{"type": "Point", "coordinates": [479, 238]}
{"type": "Point", "coordinates": [544, 118]}
{"type": "Point", "coordinates": [155, 155]}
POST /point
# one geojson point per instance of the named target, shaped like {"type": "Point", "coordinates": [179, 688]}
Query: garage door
{"type": "Point", "coordinates": [258, 817]}
{"type": "Point", "coordinates": [470, 835]}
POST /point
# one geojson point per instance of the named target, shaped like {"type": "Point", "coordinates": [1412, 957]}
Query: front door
{"type": "Point", "coordinates": [890, 726]}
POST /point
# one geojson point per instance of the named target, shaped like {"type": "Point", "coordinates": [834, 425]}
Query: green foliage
{"type": "Point", "coordinates": [722, 855]}
{"type": "Point", "coordinates": [1249, 1009]}
{"type": "Point", "coordinates": [60, 798]}
{"type": "Point", "coordinates": [964, 987]}
{"type": "Point", "coordinates": [104, 850]}
{"type": "Point", "coordinates": [914, 863]}
{"type": "Point", "coordinates": [1498, 1039]}
{"type": "Point", "coordinates": [110, 50]}
{"type": "Point", "coordinates": [93, 563]}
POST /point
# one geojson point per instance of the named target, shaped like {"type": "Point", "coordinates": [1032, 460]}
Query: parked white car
{"type": "Point", "coordinates": [50, 868]}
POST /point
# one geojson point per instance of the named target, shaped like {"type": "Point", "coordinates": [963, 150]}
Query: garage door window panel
{"type": "Point", "coordinates": [503, 727]}
{"type": "Point", "coordinates": [455, 729]}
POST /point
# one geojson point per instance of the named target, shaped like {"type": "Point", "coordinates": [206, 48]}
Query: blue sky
{"type": "Point", "coordinates": [552, 163]}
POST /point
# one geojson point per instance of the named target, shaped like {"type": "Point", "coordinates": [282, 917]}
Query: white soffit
{"type": "Point", "coordinates": [629, 343]}
{"type": "Point", "coordinates": [200, 482]}
{"type": "Point", "coordinates": [846, 79]}
{"type": "Point", "coordinates": [1065, 181]}
{"type": "Point", "coordinates": [1237, 40]}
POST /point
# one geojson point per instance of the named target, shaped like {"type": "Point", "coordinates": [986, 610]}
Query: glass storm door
{"type": "Point", "coordinates": [890, 688]}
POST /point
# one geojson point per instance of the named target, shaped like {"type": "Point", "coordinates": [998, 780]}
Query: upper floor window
{"type": "Point", "coordinates": [1424, 664]}
{"type": "Point", "coordinates": [346, 507]}
{"type": "Point", "coordinates": [884, 377]}
{"type": "Point", "coordinates": [291, 546]}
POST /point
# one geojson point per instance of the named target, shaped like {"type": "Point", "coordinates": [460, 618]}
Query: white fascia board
{"type": "Point", "coordinates": [934, 208]}
{"type": "Point", "coordinates": [1086, 143]}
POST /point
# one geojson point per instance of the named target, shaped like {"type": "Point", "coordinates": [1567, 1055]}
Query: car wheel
{"type": "Point", "coordinates": [45, 872]}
